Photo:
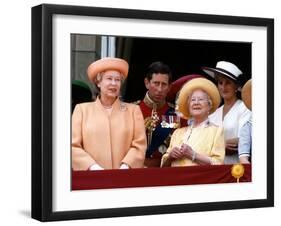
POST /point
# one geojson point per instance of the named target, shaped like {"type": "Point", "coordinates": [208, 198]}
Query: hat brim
{"type": "Point", "coordinates": [177, 85]}
{"type": "Point", "coordinates": [213, 72]}
{"type": "Point", "coordinates": [80, 84]}
{"type": "Point", "coordinates": [197, 83]}
{"type": "Point", "coordinates": [106, 64]}
{"type": "Point", "coordinates": [246, 94]}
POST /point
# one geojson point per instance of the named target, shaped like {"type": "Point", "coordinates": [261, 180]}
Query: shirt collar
{"type": "Point", "coordinates": [204, 124]}
{"type": "Point", "coordinates": [152, 104]}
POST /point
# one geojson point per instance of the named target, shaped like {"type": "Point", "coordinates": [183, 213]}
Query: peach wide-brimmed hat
{"type": "Point", "coordinates": [197, 83]}
{"type": "Point", "coordinates": [246, 94]}
{"type": "Point", "coordinates": [105, 64]}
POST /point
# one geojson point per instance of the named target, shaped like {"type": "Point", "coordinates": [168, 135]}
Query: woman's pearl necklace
{"type": "Point", "coordinates": [107, 107]}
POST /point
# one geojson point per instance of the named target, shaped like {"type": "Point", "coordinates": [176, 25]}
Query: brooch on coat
{"type": "Point", "coordinates": [123, 106]}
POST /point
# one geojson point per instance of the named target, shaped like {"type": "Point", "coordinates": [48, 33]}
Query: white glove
{"type": "Point", "coordinates": [124, 166]}
{"type": "Point", "coordinates": [95, 167]}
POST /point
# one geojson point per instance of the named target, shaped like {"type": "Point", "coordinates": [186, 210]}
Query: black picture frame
{"type": "Point", "coordinates": [42, 108]}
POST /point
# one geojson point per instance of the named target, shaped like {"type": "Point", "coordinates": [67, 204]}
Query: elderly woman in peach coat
{"type": "Point", "coordinates": [108, 133]}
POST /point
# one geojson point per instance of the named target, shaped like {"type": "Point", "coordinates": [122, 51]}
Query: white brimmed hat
{"type": "Point", "coordinates": [224, 68]}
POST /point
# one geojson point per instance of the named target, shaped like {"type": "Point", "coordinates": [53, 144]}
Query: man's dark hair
{"type": "Point", "coordinates": [158, 67]}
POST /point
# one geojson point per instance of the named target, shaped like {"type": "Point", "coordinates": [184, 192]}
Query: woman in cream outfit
{"type": "Point", "coordinates": [107, 133]}
{"type": "Point", "coordinates": [201, 142]}
{"type": "Point", "coordinates": [233, 114]}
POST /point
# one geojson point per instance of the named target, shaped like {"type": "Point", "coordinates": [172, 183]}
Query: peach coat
{"type": "Point", "coordinates": [108, 140]}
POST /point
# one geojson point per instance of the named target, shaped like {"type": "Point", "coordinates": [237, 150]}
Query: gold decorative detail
{"type": "Point", "coordinates": [237, 171]}
{"type": "Point", "coordinates": [150, 124]}
{"type": "Point", "coordinates": [147, 123]}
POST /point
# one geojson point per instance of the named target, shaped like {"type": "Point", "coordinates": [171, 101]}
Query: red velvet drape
{"type": "Point", "coordinates": [82, 180]}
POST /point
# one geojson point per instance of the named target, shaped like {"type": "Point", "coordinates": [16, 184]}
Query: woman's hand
{"type": "Point", "coordinates": [194, 156]}
{"type": "Point", "coordinates": [244, 160]}
{"type": "Point", "coordinates": [187, 151]}
{"type": "Point", "coordinates": [124, 166]}
{"type": "Point", "coordinates": [231, 146]}
{"type": "Point", "coordinates": [95, 167]}
{"type": "Point", "coordinates": [175, 153]}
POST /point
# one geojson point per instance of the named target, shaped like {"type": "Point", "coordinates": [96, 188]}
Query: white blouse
{"type": "Point", "coordinates": [232, 122]}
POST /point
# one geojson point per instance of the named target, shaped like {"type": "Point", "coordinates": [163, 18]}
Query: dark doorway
{"type": "Point", "coordinates": [183, 56]}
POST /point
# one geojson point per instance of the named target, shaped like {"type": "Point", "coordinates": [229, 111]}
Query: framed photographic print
{"type": "Point", "coordinates": [67, 39]}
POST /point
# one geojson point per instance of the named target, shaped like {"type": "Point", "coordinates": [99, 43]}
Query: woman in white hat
{"type": "Point", "coordinates": [233, 114]}
{"type": "Point", "coordinates": [107, 133]}
{"type": "Point", "coordinates": [201, 142]}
